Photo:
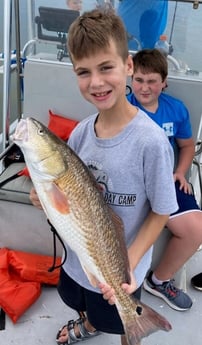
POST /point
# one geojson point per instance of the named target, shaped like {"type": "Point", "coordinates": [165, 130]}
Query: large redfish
{"type": "Point", "coordinates": [74, 205]}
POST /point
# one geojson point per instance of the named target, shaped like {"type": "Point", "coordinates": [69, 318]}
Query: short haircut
{"type": "Point", "coordinates": [93, 31]}
{"type": "Point", "coordinates": [151, 61]}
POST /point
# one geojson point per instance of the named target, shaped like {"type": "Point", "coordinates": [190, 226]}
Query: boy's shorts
{"type": "Point", "coordinates": [186, 202]}
{"type": "Point", "coordinates": [103, 316]}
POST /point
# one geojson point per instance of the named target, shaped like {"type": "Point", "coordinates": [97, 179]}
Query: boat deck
{"type": "Point", "coordinates": [40, 323]}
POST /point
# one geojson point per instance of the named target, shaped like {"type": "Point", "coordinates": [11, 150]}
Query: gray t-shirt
{"type": "Point", "coordinates": [135, 170]}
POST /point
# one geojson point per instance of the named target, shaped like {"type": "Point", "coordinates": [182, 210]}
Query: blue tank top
{"type": "Point", "coordinates": [144, 19]}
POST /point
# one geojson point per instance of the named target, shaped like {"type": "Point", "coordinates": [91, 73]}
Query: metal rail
{"type": "Point", "coordinates": [7, 53]}
{"type": "Point", "coordinates": [7, 30]}
{"type": "Point", "coordinates": [194, 2]}
{"type": "Point", "coordinates": [18, 58]}
{"type": "Point", "coordinates": [191, 1]}
{"type": "Point", "coordinates": [6, 74]}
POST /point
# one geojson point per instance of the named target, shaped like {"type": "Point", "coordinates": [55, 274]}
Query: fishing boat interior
{"type": "Point", "coordinates": [37, 80]}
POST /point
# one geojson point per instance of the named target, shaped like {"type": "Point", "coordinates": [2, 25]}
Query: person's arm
{"type": "Point", "coordinates": [147, 235]}
{"type": "Point", "coordinates": [186, 155]}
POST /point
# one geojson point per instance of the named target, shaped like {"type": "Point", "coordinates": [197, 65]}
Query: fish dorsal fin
{"type": "Point", "coordinates": [58, 199]}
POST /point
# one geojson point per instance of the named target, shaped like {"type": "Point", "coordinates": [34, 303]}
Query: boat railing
{"type": "Point", "coordinates": [44, 21]}
{"type": "Point", "coordinates": [7, 66]}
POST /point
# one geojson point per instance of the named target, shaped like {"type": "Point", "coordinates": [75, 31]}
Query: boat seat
{"type": "Point", "coordinates": [53, 26]}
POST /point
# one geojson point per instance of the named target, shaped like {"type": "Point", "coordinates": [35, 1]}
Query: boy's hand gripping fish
{"type": "Point", "coordinates": [72, 202]}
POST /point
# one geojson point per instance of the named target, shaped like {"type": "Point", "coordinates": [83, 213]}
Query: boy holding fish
{"type": "Point", "coordinates": [131, 159]}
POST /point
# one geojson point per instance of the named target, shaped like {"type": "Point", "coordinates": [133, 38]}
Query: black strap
{"type": "Point", "coordinates": [2, 319]}
{"type": "Point", "coordinates": [9, 179]}
{"type": "Point", "coordinates": [54, 231]}
{"type": "Point", "coordinates": [55, 234]}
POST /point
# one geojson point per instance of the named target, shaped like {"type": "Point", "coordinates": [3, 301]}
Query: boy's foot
{"type": "Point", "coordinates": [75, 331]}
{"type": "Point", "coordinates": [196, 281]}
{"type": "Point", "coordinates": [174, 297]}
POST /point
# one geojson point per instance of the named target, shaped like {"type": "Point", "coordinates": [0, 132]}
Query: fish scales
{"type": "Point", "coordinates": [91, 229]}
{"type": "Point", "coordinates": [96, 240]}
{"type": "Point", "coordinates": [70, 182]}
{"type": "Point", "coordinates": [75, 206]}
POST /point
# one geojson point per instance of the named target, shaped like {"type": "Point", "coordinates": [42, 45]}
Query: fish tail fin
{"type": "Point", "coordinates": [145, 321]}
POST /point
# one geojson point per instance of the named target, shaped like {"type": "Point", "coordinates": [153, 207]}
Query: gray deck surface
{"type": "Point", "coordinates": [41, 322]}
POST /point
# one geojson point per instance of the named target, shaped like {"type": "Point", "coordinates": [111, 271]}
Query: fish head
{"type": "Point", "coordinates": [43, 151]}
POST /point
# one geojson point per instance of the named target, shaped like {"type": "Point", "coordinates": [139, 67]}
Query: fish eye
{"type": "Point", "coordinates": [40, 131]}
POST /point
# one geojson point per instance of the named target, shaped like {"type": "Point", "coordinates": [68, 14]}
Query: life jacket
{"type": "Point", "coordinates": [22, 275]}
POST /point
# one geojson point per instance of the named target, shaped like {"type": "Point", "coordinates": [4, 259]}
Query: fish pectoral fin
{"type": "Point", "coordinates": [92, 279]}
{"type": "Point", "coordinates": [58, 199]}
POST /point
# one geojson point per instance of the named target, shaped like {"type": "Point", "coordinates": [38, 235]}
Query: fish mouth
{"type": "Point", "coordinates": [21, 131]}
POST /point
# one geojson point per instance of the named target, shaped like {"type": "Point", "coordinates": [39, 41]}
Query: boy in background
{"type": "Point", "coordinates": [148, 81]}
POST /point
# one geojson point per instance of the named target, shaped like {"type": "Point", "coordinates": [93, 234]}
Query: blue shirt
{"type": "Point", "coordinates": [144, 19]}
{"type": "Point", "coordinates": [171, 115]}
